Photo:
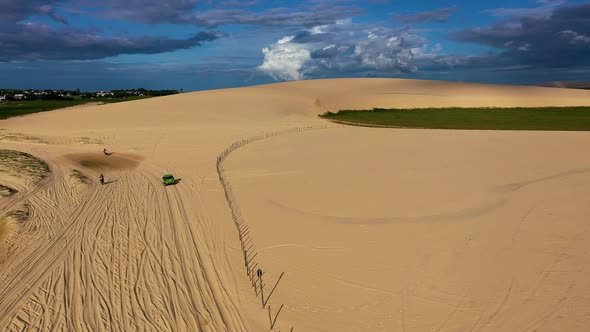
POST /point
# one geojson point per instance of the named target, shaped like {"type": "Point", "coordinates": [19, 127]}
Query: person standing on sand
{"type": "Point", "coordinates": [101, 178]}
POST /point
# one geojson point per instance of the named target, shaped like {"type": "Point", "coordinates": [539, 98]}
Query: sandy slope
{"type": "Point", "coordinates": [376, 229]}
{"type": "Point", "coordinates": [423, 230]}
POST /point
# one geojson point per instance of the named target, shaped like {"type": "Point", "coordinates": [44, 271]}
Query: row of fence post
{"type": "Point", "coordinates": [253, 269]}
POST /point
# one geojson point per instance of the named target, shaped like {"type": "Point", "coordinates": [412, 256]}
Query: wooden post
{"type": "Point", "coordinates": [246, 262]}
{"type": "Point", "coordinates": [259, 273]}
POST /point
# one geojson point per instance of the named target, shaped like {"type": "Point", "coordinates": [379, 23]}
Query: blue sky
{"type": "Point", "coordinates": [195, 45]}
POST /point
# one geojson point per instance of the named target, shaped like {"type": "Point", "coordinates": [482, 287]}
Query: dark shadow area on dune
{"type": "Point", "coordinates": [99, 161]}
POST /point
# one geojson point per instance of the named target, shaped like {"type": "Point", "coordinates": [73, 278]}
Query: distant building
{"type": "Point", "coordinates": [103, 93]}
{"type": "Point", "coordinates": [19, 96]}
{"type": "Point", "coordinates": [3, 98]}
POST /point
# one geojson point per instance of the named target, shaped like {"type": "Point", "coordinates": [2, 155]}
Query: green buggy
{"type": "Point", "coordinates": [168, 179]}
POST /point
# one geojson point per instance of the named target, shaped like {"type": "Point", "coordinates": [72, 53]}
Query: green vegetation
{"type": "Point", "coordinates": [22, 107]}
{"type": "Point", "coordinates": [18, 137]}
{"type": "Point", "coordinates": [79, 176]}
{"type": "Point", "coordinates": [20, 215]}
{"type": "Point", "coordinates": [6, 191]}
{"type": "Point", "coordinates": [21, 164]}
{"type": "Point", "coordinates": [542, 118]}
{"type": "Point", "coordinates": [15, 102]}
{"type": "Point", "coordinates": [143, 92]}
{"type": "Point", "coordinates": [7, 227]}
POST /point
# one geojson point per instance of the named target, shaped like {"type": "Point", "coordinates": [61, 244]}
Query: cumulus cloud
{"type": "Point", "coordinates": [343, 47]}
{"type": "Point", "coordinates": [385, 53]}
{"type": "Point", "coordinates": [285, 59]}
{"type": "Point", "coordinates": [441, 15]}
{"type": "Point", "coordinates": [320, 38]}
{"type": "Point", "coordinates": [530, 42]}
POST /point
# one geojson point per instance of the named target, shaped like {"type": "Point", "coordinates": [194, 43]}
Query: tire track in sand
{"type": "Point", "coordinates": [132, 255]}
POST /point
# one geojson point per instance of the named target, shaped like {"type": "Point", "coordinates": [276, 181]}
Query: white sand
{"type": "Point", "coordinates": [375, 229]}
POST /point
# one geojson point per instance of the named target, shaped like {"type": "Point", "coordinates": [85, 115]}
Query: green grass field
{"type": "Point", "coordinates": [9, 109]}
{"type": "Point", "coordinates": [545, 118]}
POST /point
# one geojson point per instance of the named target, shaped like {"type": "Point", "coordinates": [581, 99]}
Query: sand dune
{"type": "Point", "coordinates": [375, 229]}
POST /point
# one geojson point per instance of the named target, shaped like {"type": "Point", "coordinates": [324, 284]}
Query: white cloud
{"type": "Point", "coordinates": [574, 37]}
{"type": "Point", "coordinates": [385, 53]}
{"type": "Point", "coordinates": [525, 47]}
{"type": "Point", "coordinates": [319, 29]}
{"type": "Point", "coordinates": [344, 48]}
{"type": "Point", "coordinates": [285, 60]}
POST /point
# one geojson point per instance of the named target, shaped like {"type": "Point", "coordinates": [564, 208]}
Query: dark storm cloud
{"type": "Point", "coordinates": [39, 42]}
{"type": "Point", "coordinates": [546, 7]}
{"type": "Point", "coordinates": [150, 11]}
{"type": "Point", "coordinates": [227, 12]}
{"type": "Point", "coordinates": [305, 17]}
{"type": "Point", "coordinates": [559, 39]}
{"type": "Point", "coordinates": [12, 11]}
{"type": "Point", "coordinates": [185, 12]}
{"type": "Point", "coordinates": [439, 15]}
{"type": "Point", "coordinates": [21, 40]}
